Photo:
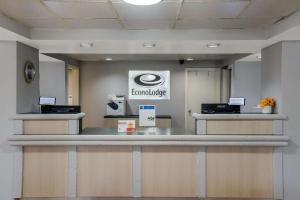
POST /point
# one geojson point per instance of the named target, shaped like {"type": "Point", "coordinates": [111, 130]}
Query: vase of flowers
{"type": "Point", "coordinates": [267, 105]}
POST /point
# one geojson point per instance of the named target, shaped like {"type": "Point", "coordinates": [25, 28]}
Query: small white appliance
{"type": "Point", "coordinates": [116, 105]}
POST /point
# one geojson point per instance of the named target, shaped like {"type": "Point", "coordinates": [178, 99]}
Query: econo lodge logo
{"type": "Point", "coordinates": [149, 80]}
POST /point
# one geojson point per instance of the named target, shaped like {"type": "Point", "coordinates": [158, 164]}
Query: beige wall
{"type": "Point", "coordinates": [98, 79]}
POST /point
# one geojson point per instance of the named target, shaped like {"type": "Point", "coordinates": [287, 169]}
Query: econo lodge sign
{"type": "Point", "coordinates": [153, 85]}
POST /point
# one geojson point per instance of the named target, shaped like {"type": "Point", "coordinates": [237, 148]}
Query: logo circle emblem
{"type": "Point", "coordinates": [148, 80]}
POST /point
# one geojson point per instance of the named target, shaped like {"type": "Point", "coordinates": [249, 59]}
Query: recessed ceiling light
{"type": "Point", "coordinates": [149, 45]}
{"type": "Point", "coordinates": [108, 59]}
{"type": "Point", "coordinates": [213, 45]}
{"type": "Point", "coordinates": [258, 57]}
{"type": "Point", "coordinates": [86, 44]}
{"type": "Point", "coordinates": [142, 2]}
{"type": "Point", "coordinates": [190, 59]}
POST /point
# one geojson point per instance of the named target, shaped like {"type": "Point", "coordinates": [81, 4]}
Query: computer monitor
{"type": "Point", "coordinates": [47, 101]}
{"type": "Point", "coordinates": [237, 101]}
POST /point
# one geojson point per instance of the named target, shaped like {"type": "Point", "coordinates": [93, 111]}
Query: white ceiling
{"type": "Point", "coordinates": [170, 14]}
{"type": "Point", "coordinates": [180, 28]}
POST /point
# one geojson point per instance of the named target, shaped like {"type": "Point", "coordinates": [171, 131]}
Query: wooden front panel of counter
{"type": "Point", "coordinates": [240, 127]}
{"type": "Point", "coordinates": [104, 171]}
{"type": "Point", "coordinates": [239, 172]}
{"type": "Point", "coordinates": [45, 169]}
{"type": "Point", "coordinates": [45, 172]}
{"type": "Point", "coordinates": [113, 122]}
{"type": "Point", "coordinates": [33, 127]}
{"type": "Point", "coordinates": [169, 172]}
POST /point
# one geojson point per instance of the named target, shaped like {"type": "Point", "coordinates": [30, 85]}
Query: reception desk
{"type": "Point", "coordinates": [227, 156]}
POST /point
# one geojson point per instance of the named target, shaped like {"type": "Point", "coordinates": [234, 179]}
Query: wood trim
{"type": "Point", "coordinates": [231, 127]}
{"type": "Point", "coordinates": [45, 172]}
{"type": "Point", "coordinates": [169, 172]}
{"type": "Point", "coordinates": [104, 171]}
{"type": "Point", "coordinates": [46, 127]}
{"type": "Point", "coordinates": [240, 172]}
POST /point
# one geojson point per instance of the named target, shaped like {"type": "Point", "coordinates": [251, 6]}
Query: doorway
{"type": "Point", "coordinates": [202, 86]}
{"type": "Point", "coordinates": [73, 85]}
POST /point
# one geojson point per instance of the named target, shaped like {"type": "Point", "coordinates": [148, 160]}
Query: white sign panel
{"type": "Point", "coordinates": [153, 85]}
{"type": "Point", "coordinates": [146, 115]}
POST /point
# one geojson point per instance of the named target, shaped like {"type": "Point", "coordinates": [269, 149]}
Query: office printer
{"type": "Point", "coordinates": [116, 105]}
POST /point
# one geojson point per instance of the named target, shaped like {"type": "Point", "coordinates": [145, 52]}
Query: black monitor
{"type": "Point", "coordinates": [47, 100]}
{"type": "Point", "coordinates": [237, 101]}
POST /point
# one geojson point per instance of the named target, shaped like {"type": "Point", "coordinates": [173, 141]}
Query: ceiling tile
{"type": "Point", "coordinates": [45, 23]}
{"type": "Point", "coordinates": [165, 10]}
{"type": "Point", "coordinates": [73, 23]}
{"type": "Point", "coordinates": [148, 24]}
{"type": "Point", "coordinates": [95, 24]}
{"type": "Point", "coordinates": [270, 8]}
{"type": "Point", "coordinates": [212, 9]}
{"type": "Point", "coordinates": [19, 9]}
{"type": "Point", "coordinates": [223, 23]}
{"type": "Point", "coordinates": [81, 9]}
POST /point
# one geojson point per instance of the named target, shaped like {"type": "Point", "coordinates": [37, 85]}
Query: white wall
{"type": "Point", "coordinates": [271, 73]}
{"type": "Point", "coordinates": [98, 79]}
{"type": "Point", "coordinates": [14, 95]}
{"type": "Point", "coordinates": [246, 80]}
{"type": "Point", "coordinates": [280, 78]}
{"type": "Point", "coordinates": [53, 81]}
{"type": "Point", "coordinates": [8, 102]}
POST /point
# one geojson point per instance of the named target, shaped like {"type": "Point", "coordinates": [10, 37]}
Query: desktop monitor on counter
{"type": "Point", "coordinates": [237, 101]}
{"type": "Point", "coordinates": [47, 100]}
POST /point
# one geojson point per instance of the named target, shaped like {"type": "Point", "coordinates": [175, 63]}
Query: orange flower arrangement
{"type": "Point", "coordinates": [267, 102]}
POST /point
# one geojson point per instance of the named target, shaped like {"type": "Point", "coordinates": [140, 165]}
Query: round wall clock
{"type": "Point", "coordinates": [29, 72]}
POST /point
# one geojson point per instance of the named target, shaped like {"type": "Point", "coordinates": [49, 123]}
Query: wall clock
{"type": "Point", "coordinates": [29, 71]}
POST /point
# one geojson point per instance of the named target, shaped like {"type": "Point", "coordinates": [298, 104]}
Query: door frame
{"type": "Point", "coordinates": [186, 88]}
{"type": "Point", "coordinates": [75, 70]}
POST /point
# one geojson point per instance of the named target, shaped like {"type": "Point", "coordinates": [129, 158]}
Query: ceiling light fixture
{"type": "Point", "coordinates": [108, 59]}
{"type": "Point", "coordinates": [190, 59]}
{"type": "Point", "coordinates": [149, 45]}
{"type": "Point", "coordinates": [258, 57]}
{"type": "Point", "coordinates": [142, 2]}
{"type": "Point", "coordinates": [86, 44]}
{"type": "Point", "coordinates": [213, 45]}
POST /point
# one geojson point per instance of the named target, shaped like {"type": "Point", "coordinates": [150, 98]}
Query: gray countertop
{"type": "Point", "coordinates": [39, 116]}
{"type": "Point", "coordinates": [241, 116]}
{"type": "Point", "coordinates": [139, 131]}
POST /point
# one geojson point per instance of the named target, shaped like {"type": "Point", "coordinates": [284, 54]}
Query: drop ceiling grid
{"type": "Point", "coordinates": [169, 14]}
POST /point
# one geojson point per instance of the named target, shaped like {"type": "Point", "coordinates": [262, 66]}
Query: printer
{"type": "Point", "coordinates": [116, 105]}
